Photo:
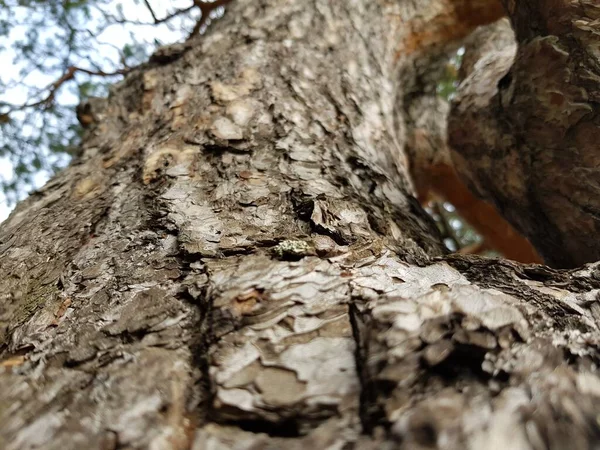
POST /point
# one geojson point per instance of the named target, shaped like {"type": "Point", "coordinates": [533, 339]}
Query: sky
{"type": "Point", "coordinates": [111, 39]}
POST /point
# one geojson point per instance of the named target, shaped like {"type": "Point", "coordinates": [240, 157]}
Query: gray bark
{"type": "Point", "coordinates": [237, 261]}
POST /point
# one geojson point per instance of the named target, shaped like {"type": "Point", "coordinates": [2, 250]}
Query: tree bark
{"type": "Point", "coordinates": [237, 261]}
{"type": "Point", "coordinates": [525, 134]}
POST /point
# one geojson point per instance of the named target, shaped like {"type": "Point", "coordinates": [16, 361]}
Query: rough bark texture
{"type": "Point", "coordinates": [526, 134]}
{"type": "Point", "coordinates": [237, 261]}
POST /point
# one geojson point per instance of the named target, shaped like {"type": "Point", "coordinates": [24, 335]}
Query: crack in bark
{"type": "Point", "coordinates": [370, 414]}
{"type": "Point", "coordinates": [201, 392]}
{"type": "Point", "coordinates": [202, 338]}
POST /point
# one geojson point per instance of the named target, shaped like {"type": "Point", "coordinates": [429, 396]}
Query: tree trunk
{"type": "Point", "coordinates": [237, 261]}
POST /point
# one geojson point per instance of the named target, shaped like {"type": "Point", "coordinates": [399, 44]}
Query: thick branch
{"type": "Point", "coordinates": [432, 170]}
{"type": "Point", "coordinates": [526, 137]}
{"type": "Point", "coordinates": [449, 20]}
{"type": "Point", "coordinates": [483, 217]}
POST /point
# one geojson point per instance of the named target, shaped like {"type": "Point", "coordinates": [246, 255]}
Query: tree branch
{"type": "Point", "coordinates": [524, 128]}
{"type": "Point", "coordinates": [149, 8]}
{"type": "Point", "coordinates": [55, 86]}
{"type": "Point", "coordinates": [205, 9]}
{"type": "Point", "coordinates": [482, 216]}
{"type": "Point", "coordinates": [454, 20]}
{"type": "Point", "coordinates": [156, 21]}
{"type": "Point", "coordinates": [433, 172]}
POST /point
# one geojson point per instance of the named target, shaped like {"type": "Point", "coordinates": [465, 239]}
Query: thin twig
{"type": "Point", "coordinates": [149, 7]}
{"type": "Point", "coordinates": [113, 19]}
{"type": "Point", "coordinates": [69, 73]}
{"type": "Point", "coordinates": [53, 88]}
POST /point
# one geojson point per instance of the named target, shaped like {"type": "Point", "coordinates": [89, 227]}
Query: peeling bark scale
{"type": "Point", "coordinates": [237, 261]}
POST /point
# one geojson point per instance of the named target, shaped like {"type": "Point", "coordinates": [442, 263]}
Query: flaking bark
{"type": "Point", "coordinates": [237, 261]}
